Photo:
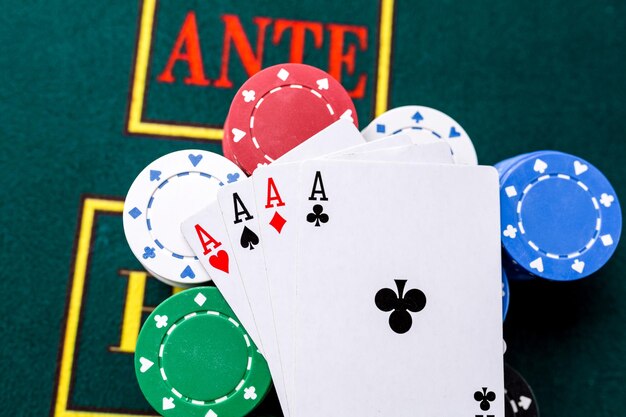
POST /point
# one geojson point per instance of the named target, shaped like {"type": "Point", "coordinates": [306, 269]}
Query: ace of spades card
{"type": "Point", "coordinates": [398, 291]}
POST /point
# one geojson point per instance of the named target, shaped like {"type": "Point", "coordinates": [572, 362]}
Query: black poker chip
{"type": "Point", "coordinates": [519, 400]}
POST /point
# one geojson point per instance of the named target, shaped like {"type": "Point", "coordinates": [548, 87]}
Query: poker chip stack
{"type": "Point", "coordinates": [560, 220]}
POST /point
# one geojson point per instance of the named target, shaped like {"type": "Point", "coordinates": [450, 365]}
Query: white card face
{"type": "Point", "coordinates": [432, 153]}
{"type": "Point", "coordinates": [398, 290]}
{"type": "Point", "coordinates": [239, 213]}
{"type": "Point", "coordinates": [340, 135]}
{"type": "Point", "coordinates": [207, 236]}
{"type": "Point", "coordinates": [382, 143]}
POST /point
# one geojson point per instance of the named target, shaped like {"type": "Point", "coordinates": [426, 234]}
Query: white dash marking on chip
{"type": "Point", "coordinates": [256, 144]}
{"type": "Point", "coordinates": [552, 255]}
{"type": "Point", "coordinates": [251, 122]}
{"type": "Point", "coordinates": [598, 223]}
{"type": "Point", "coordinates": [190, 315]}
{"type": "Point", "coordinates": [197, 402]}
{"type": "Point", "coordinates": [176, 393]}
{"type": "Point", "coordinates": [161, 351]}
{"type": "Point", "coordinates": [590, 243]}
{"type": "Point", "coordinates": [532, 245]}
{"type": "Point", "coordinates": [249, 363]}
{"type": "Point", "coordinates": [528, 187]}
{"type": "Point", "coordinates": [595, 203]}
{"type": "Point", "coordinates": [268, 158]}
{"type": "Point", "coordinates": [521, 228]}
{"type": "Point", "coordinates": [272, 91]}
{"type": "Point", "coordinates": [247, 339]}
{"type": "Point", "coordinates": [295, 86]}
{"type": "Point", "coordinates": [543, 178]}
{"type": "Point", "coordinates": [563, 176]}
{"type": "Point", "coordinates": [582, 185]}
{"type": "Point", "coordinates": [163, 374]}
{"type": "Point", "coordinates": [330, 109]}
{"type": "Point", "coordinates": [233, 321]}
{"type": "Point", "coordinates": [239, 385]}
{"type": "Point", "coordinates": [519, 207]}
{"type": "Point", "coordinates": [258, 103]}
{"type": "Point", "coordinates": [221, 399]}
{"type": "Point", "coordinates": [315, 93]}
{"type": "Point", "coordinates": [171, 329]}
{"type": "Point", "coordinates": [213, 313]}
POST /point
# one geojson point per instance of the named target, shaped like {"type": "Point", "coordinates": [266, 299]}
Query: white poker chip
{"type": "Point", "coordinates": [164, 194]}
{"type": "Point", "coordinates": [424, 125]}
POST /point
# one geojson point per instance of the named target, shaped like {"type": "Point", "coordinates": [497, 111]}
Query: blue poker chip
{"type": "Point", "coordinates": [505, 295]}
{"type": "Point", "coordinates": [560, 216]}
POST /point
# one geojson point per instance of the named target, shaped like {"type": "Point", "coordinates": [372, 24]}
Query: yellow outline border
{"type": "Point", "coordinates": [135, 124]}
{"type": "Point", "coordinates": [91, 205]}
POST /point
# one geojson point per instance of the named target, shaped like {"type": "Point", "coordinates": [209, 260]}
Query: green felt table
{"type": "Point", "coordinates": [87, 100]}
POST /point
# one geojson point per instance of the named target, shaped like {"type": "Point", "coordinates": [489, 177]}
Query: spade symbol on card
{"type": "Point", "coordinates": [400, 304]}
{"type": "Point", "coordinates": [248, 239]}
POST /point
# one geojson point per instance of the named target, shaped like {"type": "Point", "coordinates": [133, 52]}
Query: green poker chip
{"type": "Point", "coordinates": [194, 358]}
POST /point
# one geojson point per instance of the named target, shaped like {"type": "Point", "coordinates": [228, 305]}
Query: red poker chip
{"type": "Point", "coordinates": [277, 109]}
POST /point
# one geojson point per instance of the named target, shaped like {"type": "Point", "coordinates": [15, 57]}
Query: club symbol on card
{"type": "Point", "coordinates": [317, 216]}
{"type": "Point", "coordinates": [248, 239]}
{"type": "Point", "coordinates": [485, 398]}
{"type": "Point", "coordinates": [400, 304]}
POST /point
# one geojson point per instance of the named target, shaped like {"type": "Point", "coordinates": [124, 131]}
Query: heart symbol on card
{"type": "Point", "coordinates": [220, 261]}
{"type": "Point", "coordinates": [578, 266]}
{"type": "Point", "coordinates": [540, 166]}
{"type": "Point", "coordinates": [145, 364]}
{"type": "Point", "coordinates": [195, 159]}
{"type": "Point", "coordinates": [537, 264]}
{"type": "Point", "coordinates": [579, 167]}
{"type": "Point", "coordinates": [237, 134]}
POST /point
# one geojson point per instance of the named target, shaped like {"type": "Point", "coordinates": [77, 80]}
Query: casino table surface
{"type": "Point", "coordinates": [91, 92]}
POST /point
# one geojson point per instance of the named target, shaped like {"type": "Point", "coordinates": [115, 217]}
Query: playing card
{"type": "Point", "coordinates": [275, 189]}
{"type": "Point", "coordinates": [431, 153]}
{"type": "Point", "coordinates": [207, 236]}
{"type": "Point", "coordinates": [398, 291]}
{"type": "Point", "coordinates": [238, 209]}
{"type": "Point", "coordinates": [244, 284]}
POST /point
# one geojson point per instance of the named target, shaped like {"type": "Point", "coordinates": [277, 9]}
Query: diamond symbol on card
{"type": "Point", "coordinates": [283, 74]}
{"type": "Point", "coordinates": [278, 222]}
{"type": "Point", "coordinates": [607, 240]}
{"type": "Point", "coordinates": [510, 191]}
{"type": "Point", "coordinates": [200, 299]}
